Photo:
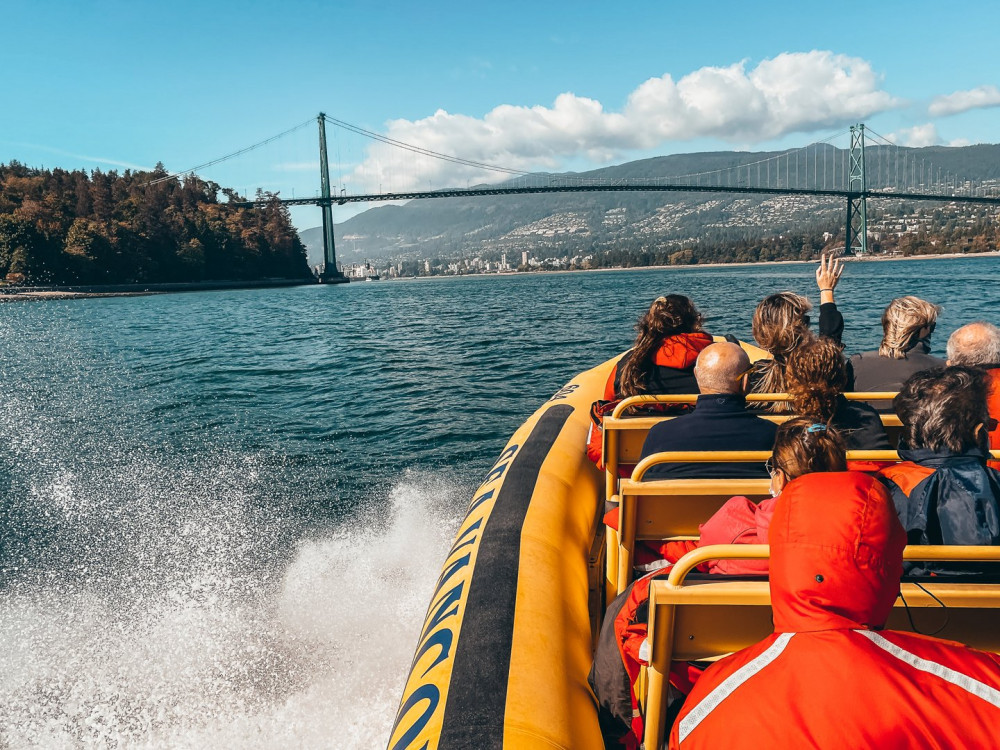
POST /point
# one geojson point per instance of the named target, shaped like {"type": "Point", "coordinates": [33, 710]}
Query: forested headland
{"type": "Point", "coordinates": [73, 227]}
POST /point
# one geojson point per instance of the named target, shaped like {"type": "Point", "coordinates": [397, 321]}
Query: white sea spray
{"type": "Point", "coordinates": [217, 652]}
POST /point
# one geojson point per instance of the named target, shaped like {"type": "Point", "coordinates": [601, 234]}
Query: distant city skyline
{"type": "Point", "coordinates": [553, 86]}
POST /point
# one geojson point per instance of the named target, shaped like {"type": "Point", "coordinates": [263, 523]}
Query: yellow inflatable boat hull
{"type": "Point", "coordinates": [503, 656]}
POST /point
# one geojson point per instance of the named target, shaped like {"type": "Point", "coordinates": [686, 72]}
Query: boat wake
{"type": "Point", "coordinates": [203, 622]}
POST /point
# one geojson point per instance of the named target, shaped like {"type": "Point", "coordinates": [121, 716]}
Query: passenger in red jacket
{"type": "Point", "coordinates": [829, 677]}
{"type": "Point", "coordinates": [978, 345]}
{"type": "Point", "coordinates": [668, 341]}
{"type": "Point", "coordinates": [801, 446]}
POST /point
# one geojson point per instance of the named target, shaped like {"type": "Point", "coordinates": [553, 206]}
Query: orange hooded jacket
{"type": "Point", "coordinates": [827, 678]}
{"type": "Point", "coordinates": [994, 408]}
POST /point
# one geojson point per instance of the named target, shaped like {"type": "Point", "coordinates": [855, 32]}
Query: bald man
{"type": "Point", "coordinates": [978, 345]}
{"type": "Point", "coordinates": [720, 420]}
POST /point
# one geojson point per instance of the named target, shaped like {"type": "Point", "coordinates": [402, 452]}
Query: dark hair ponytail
{"type": "Point", "coordinates": [667, 316]}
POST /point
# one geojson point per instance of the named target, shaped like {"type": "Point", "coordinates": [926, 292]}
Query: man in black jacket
{"type": "Point", "coordinates": [719, 422]}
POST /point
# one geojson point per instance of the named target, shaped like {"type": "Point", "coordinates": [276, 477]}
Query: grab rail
{"type": "Point", "coordinates": [674, 457]}
{"type": "Point", "coordinates": [752, 398]}
{"type": "Point", "coordinates": [921, 552]}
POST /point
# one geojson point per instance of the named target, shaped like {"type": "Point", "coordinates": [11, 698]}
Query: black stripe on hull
{"type": "Point", "coordinates": [477, 695]}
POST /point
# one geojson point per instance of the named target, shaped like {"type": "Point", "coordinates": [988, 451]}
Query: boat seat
{"type": "Point", "coordinates": [623, 439]}
{"type": "Point", "coordinates": [624, 435]}
{"type": "Point", "coordinates": [692, 620]}
{"type": "Point", "coordinates": [666, 509]}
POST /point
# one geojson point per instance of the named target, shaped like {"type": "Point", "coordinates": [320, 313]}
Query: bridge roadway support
{"type": "Point", "coordinates": [330, 273]}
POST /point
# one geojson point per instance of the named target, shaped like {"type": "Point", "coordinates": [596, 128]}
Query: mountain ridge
{"type": "Point", "coordinates": [577, 223]}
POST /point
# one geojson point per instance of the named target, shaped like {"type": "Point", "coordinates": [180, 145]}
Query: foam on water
{"type": "Point", "coordinates": [185, 642]}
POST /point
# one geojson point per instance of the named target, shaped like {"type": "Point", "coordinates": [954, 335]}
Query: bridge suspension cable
{"type": "Point", "coordinates": [420, 150]}
{"type": "Point", "coordinates": [242, 151]}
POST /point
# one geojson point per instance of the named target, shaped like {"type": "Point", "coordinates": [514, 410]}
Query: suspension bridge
{"type": "Point", "coordinates": [870, 168]}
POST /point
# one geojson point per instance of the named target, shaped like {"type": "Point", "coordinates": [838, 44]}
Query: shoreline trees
{"type": "Point", "coordinates": [73, 227]}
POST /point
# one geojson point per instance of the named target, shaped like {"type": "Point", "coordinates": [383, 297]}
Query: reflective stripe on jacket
{"type": "Point", "coordinates": [827, 678]}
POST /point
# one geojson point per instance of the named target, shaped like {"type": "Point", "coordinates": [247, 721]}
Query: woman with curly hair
{"type": "Point", "coordinates": [816, 378]}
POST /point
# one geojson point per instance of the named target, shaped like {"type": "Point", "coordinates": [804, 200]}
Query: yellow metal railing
{"type": "Point", "coordinates": [917, 552]}
{"type": "Point", "coordinates": [709, 620]}
{"type": "Point", "coordinates": [616, 422]}
{"type": "Point", "coordinates": [752, 398]}
{"type": "Point", "coordinates": [642, 503]}
{"type": "Point", "coordinates": [674, 457]}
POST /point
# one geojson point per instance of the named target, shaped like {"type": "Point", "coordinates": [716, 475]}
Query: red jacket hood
{"type": "Point", "coordinates": [836, 553]}
{"type": "Point", "coordinates": [681, 350]}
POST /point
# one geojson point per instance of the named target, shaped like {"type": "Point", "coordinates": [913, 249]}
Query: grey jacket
{"type": "Point", "coordinates": [875, 373]}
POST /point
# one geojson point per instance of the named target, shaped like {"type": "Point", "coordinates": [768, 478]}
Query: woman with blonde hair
{"type": "Point", "coordinates": [781, 325]}
{"type": "Point", "coordinates": [907, 323]}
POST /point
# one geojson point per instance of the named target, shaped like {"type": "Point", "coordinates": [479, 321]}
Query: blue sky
{"type": "Point", "coordinates": [534, 85]}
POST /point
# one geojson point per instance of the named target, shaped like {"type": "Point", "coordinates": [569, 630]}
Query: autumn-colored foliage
{"type": "Point", "coordinates": [61, 227]}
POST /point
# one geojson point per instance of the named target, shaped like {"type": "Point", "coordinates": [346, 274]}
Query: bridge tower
{"type": "Point", "coordinates": [856, 238]}
{"type": "Point", "coordinates": [330, 273]}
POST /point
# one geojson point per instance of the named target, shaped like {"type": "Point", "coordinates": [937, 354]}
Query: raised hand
{"type": "Point", "coordinates": [827, 276]}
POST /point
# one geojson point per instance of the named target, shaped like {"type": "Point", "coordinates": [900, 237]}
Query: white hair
{"type": "Point", "coordinates": [974, 345]}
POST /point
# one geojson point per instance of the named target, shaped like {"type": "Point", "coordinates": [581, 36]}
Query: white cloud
{"type": "Point", "coordinates": [963, 101]}
{"type": "Point", "coordinates": [960, 142]}
{"type": "Point", "coordinates": [916, 137]}
{"type": "Point", "coordinates": [792, 92]}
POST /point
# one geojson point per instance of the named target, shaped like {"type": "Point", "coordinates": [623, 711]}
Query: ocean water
{"type": "Point", "coordinates": [223, 513]}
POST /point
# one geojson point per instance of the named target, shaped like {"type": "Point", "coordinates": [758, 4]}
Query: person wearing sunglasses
{"type": "Point", "coordinates": [801, 446]}
{"type": "Point", "coordinates": [907, 324]}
